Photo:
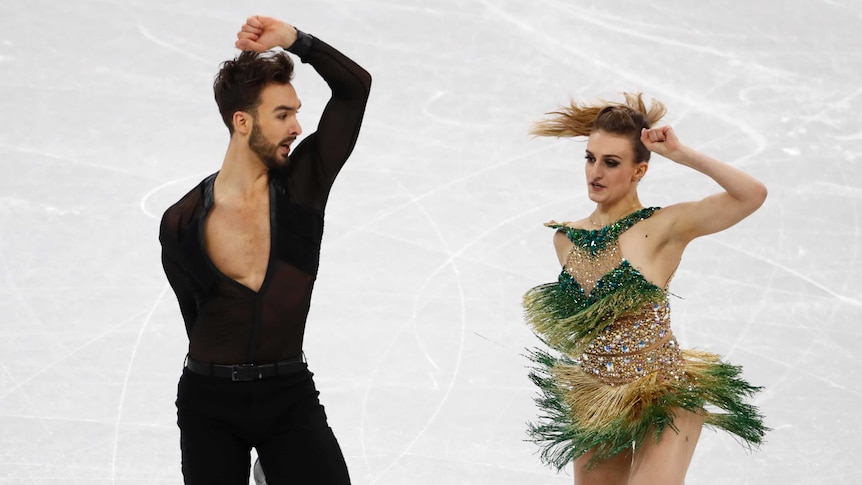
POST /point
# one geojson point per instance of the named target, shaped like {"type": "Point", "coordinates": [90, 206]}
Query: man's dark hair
{"type": "Point", "coordinates": [240, 81]}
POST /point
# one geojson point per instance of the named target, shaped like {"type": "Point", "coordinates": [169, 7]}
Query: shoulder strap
{"type": "Point", "coordinates": [562, 227]}
{"type": "Point", "coordinates": [597, 240]}
{"type": "Point", "coordinates": [630, 220]}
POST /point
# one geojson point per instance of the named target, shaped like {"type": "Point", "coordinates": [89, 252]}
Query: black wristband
{"type": "Point", "coordinates": [302, 44]}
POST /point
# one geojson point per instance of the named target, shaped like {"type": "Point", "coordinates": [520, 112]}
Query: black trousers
{"type": "Point", "coordinates": [220, 421]}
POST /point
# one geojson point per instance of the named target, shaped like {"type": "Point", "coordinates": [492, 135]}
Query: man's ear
{"type": "Point", "coordinates": [242, 122]}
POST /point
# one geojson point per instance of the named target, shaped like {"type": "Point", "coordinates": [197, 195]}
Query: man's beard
{"type": "Point", "coordinates": [266, 151]}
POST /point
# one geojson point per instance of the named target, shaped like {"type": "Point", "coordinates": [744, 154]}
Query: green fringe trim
{"type": "Point", "coordinates": [568, 323]}
{"type": "Point", "coordinates": [710, 383]}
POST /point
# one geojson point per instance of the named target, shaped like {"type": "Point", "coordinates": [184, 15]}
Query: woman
{"type": "Point", "coordinates": [618, 396]}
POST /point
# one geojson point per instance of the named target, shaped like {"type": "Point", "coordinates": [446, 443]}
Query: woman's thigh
{"type": "Point", "coordinates": [614, 471]}
{"type": "Point", "coordinates": [666, 461]}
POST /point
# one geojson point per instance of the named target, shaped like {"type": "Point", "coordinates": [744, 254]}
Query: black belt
{"type": "Point", "coordinates": [246, 372]}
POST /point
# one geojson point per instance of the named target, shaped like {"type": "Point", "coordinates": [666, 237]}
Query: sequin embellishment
{"type": "Point", "coordinates": [640, 342]}
{"type": "Point", "coordinates": [610, 359]}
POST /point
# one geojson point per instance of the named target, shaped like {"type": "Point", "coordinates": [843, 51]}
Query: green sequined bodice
{"type": "Point", "coordinates": [620, 320]}
{"type": "Point", "coordinates": [597, 240]}
{"type": "Point", "coordinates": [595, 268]}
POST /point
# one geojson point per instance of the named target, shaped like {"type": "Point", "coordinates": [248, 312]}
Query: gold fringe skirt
{"type": "Point", "coordinates": [580, 412]}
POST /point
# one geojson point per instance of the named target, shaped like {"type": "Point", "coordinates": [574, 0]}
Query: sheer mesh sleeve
{"type": "Point", "coordinates": [183, 290]}
{"type": "Point", "coordinates": [318, 159]}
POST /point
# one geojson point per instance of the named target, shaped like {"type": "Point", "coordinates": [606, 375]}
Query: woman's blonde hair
{"type": "Point", "coordinates": [619, 118]}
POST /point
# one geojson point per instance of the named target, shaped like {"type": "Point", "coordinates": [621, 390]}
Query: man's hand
{"type": "Point", "coordinates": [263, 33]}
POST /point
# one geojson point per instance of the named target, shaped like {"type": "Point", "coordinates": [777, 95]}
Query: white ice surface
{"type": "Point", "coordinates": [434, 228]}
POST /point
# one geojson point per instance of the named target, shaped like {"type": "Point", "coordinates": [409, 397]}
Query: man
{"type": "Point", "coordinates": [241, 252]}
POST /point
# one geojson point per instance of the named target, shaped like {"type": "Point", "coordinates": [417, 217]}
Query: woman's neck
{"type": "Point", "coordinates": [605, 215]}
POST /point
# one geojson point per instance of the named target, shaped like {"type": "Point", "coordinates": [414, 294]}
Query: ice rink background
{"type": "Point", "coordinates": [434, 228]}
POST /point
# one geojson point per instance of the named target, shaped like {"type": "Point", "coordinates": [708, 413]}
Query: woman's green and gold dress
{"type": "Point", "coordinates": [614, 371]}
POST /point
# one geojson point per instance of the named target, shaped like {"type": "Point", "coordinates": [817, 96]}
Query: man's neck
{"type": "Point", "coordinates": [242, 174]}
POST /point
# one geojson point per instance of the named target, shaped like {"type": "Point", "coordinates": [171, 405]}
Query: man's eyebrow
{"type": "Point", "coordinates": [284, 107]}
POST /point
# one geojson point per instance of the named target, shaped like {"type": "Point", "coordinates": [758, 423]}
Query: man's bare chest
{"type": "Point", "coordinates": [238, 241]}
